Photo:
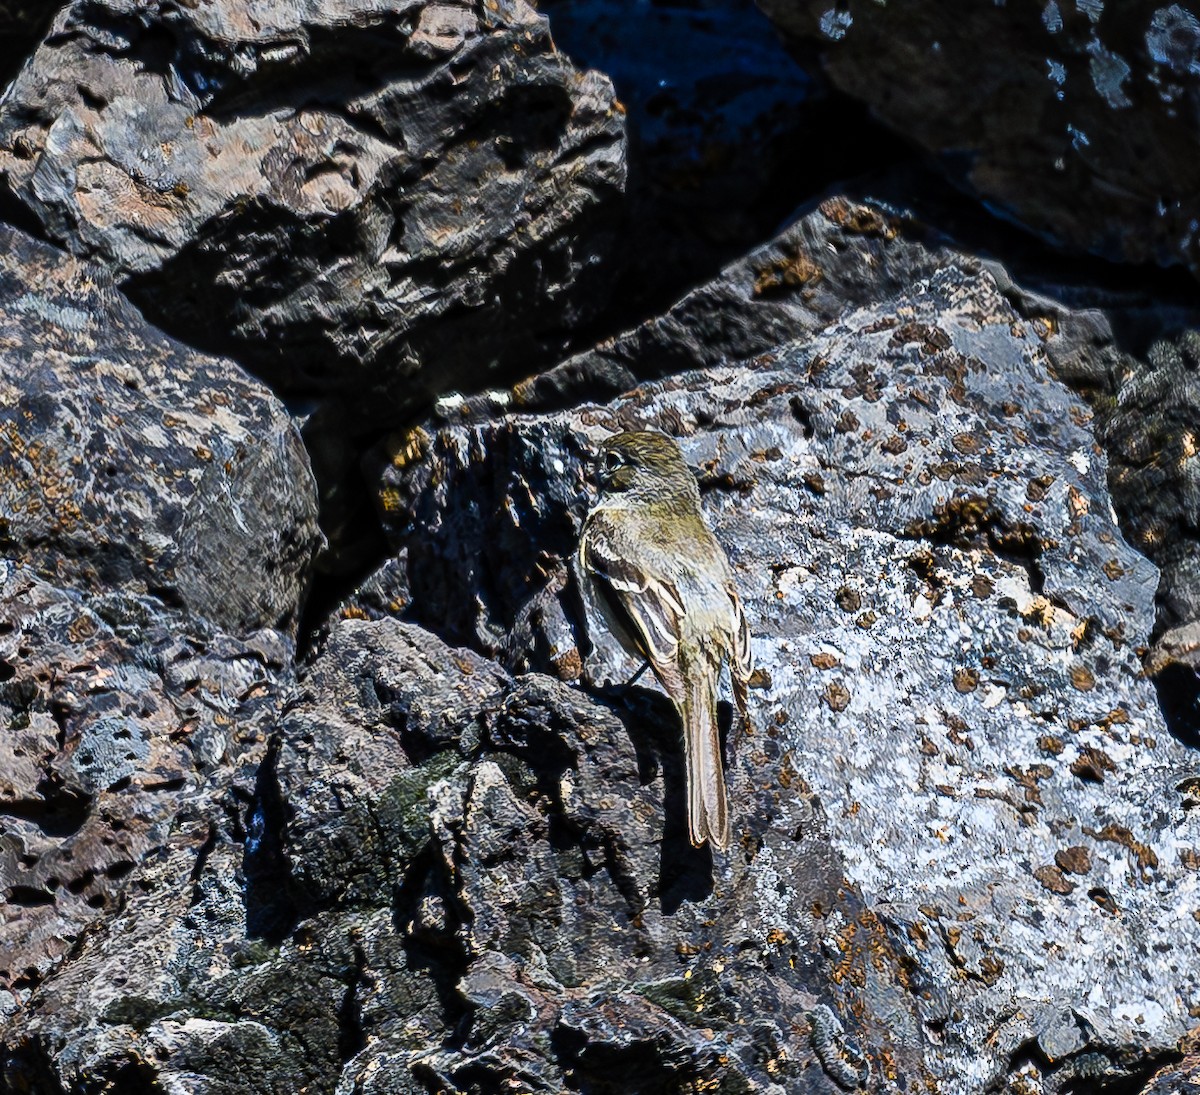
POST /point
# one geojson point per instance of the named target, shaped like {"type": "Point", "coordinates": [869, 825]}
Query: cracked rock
{"type": "Point", "coordinates": [480, 883]}
{"type": "Point", "coordinates": [130, 463]}
{"type": "Point", "coordinates": [119, 738]}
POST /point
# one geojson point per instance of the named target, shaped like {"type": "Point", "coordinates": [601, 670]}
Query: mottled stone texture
{"type": "Point", "coordinates": [446, 851]}
{"type": "Point", "coordinates": [1077, 118]}
{"type": "Point", "coordinates": [1152, 430]}
{"type": "Point", "coordinates": [466, 882]}
{"type": "Point", "coordinates": [129, 462]}
{"type": "Point", "coordinates": [372, 198]}
{"type": "Point", "coordinates": [948, 620]}
{"type": "Point", "coordinates": [118, 724]}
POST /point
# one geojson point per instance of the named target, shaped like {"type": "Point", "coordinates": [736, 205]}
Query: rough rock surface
{"type": "Point", "coordinates": [342, 193]}
{"type": "Point", "coordinates": [1076, 119]}
{"type": "Point", "coordinates": [130, 462]}
{"type": "Point", "coordinates": [1151, 432]}
{"type": "Point", "coordinates": [848, 252]}
{"type": "Point", "coordinates": [119, 721]}
{"type": "Point", "coordinates": [466, 882]}
{"type": "Point", "coordinates": [949, 623]}
{"type": "Point", "coordinates": [844, 253]}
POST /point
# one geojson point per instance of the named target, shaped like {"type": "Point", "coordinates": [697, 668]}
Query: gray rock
{"type": "Point", "coordinates": [1145, 413]}
{"type": "Point", "coordinates": [22, 24]}
{"type": "Point", "coordinates": [365, 197]}
{"type": "Point", "coordinates": [477, 887]}
{"type": "Point", "coordinates": [848, 252]}
{"type": "Point", "coordinates": [130, 463]}
{"type": "Point", "coordinates": [1078, 120]}
{"type": "Point", "coordinates": [949, 621]}
{"type": "Point", "coordinates": [1150, 430]}
{"type": "Point", "coordinates": [114, 748]}
{"type": "Point", "coordinates": [842, 253]}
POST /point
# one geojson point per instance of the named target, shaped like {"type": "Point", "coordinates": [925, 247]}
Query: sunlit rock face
{"type": "Point", "coordinates": [338, 192]}
{"type": "Point", "coordinates": [949, 623]}
{"type": "Point", "coordinates": [1077, 118]}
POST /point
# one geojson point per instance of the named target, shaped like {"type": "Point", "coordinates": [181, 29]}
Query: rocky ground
{"type": "Point", "coordinates": [316, 775]}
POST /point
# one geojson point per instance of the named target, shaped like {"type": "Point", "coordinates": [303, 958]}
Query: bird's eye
{"type": "Point", "coordinates": [612, 461]}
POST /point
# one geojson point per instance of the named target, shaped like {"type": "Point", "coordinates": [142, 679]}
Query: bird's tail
{"type": "Point", "coordinates": [708, 808]}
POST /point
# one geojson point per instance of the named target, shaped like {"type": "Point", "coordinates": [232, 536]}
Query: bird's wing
{"type": "Point", "coordinates": [647, 606]}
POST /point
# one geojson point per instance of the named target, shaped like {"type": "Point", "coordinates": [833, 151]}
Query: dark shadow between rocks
{"type": "Point", "coordinates": [1179, 696]}
{"type": "Point", "coordinates": [16, 213]}
{"type": "Point", "coordinates": [652, 723]}
{"type": "Point", "coordinates": [598, 1069]}
{"type": "Point", "coordinates": [22, 24]}
{"type": "Point", "coordinates": [434, 951]}
{"type": "Point", "coordinates": [272, 908]}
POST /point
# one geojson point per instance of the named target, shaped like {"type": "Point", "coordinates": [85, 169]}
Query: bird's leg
{"type": "Point", "coordinates": [638, 675]}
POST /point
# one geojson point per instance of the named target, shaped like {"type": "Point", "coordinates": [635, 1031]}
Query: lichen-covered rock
{"type": "Point", "coordinates": [362, 196]}
{"type": "Point", "coordinates": [466, 882]}
{"type": "Point", "coordinates": [1076, 119]}
{"type": "Point", "coordinates": [949, 622]}
{"type": "Point", "coordinates": [131, 463]}
{"type": "Point", "coordinates": [118, 724]}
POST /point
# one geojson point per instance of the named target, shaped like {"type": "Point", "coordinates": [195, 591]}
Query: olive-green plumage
{"type": "Point", "coordinates": [664, 587]}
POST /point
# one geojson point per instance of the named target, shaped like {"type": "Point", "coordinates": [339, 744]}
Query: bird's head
{"type": "Point", "coordinates": [645, 463]}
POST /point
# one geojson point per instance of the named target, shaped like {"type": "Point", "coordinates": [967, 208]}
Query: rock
{"type": "Point", "coordinates": [362, 197]}
{"type": "Point", "coordinates": [847, 252]}
{"type": "Point", "coordinates": [1156, 483]}
{"type": "Point", "coordinates": [481, 883]}
{"type": "Point", "coordinates": [1176, 1077]}
{"type": "Point", "coordinates": [1078, 121]}
{"type": "Point", "coordinates": [843, 253]}
{"type": "Point", "coordinates": [949, 622]}
{"type": "Point", "coordinates": [121, 724]}
{"type": "Point", "coordinates": [131, 463]}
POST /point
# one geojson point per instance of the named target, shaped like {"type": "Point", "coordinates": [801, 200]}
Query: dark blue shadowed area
{"type": "Point", "coordinates": [728, 136]}
{"type": "Point", "coordinates": [690, 74]}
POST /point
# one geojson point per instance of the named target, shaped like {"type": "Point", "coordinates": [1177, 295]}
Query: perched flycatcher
{"type": "Point", "coordinates": [666, 592]}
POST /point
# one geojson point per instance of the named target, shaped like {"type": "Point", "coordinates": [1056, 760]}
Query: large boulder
{"type": "Point", "coordinates": [362, 196]}
{"type": "Point", "coordinates": [131, 462]}
{"type": "Point", "coordinates": [1078, 120]}
{"type": "Point", "coordinates": [457, 881]}
{"type": "Point", "coordinates": [122, 729]}
{"type": "Point", "coordinates": [949, 624]}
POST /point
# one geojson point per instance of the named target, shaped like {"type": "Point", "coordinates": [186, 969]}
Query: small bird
{"type": "Point", "coordinates": [664, 587]}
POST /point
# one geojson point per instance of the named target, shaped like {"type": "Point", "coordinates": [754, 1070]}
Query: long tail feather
{"type": "Point", "coordinates": [708, 809]}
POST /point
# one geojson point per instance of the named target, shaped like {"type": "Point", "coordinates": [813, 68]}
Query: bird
{"type": "Point", "coordinates": [663, 586]}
